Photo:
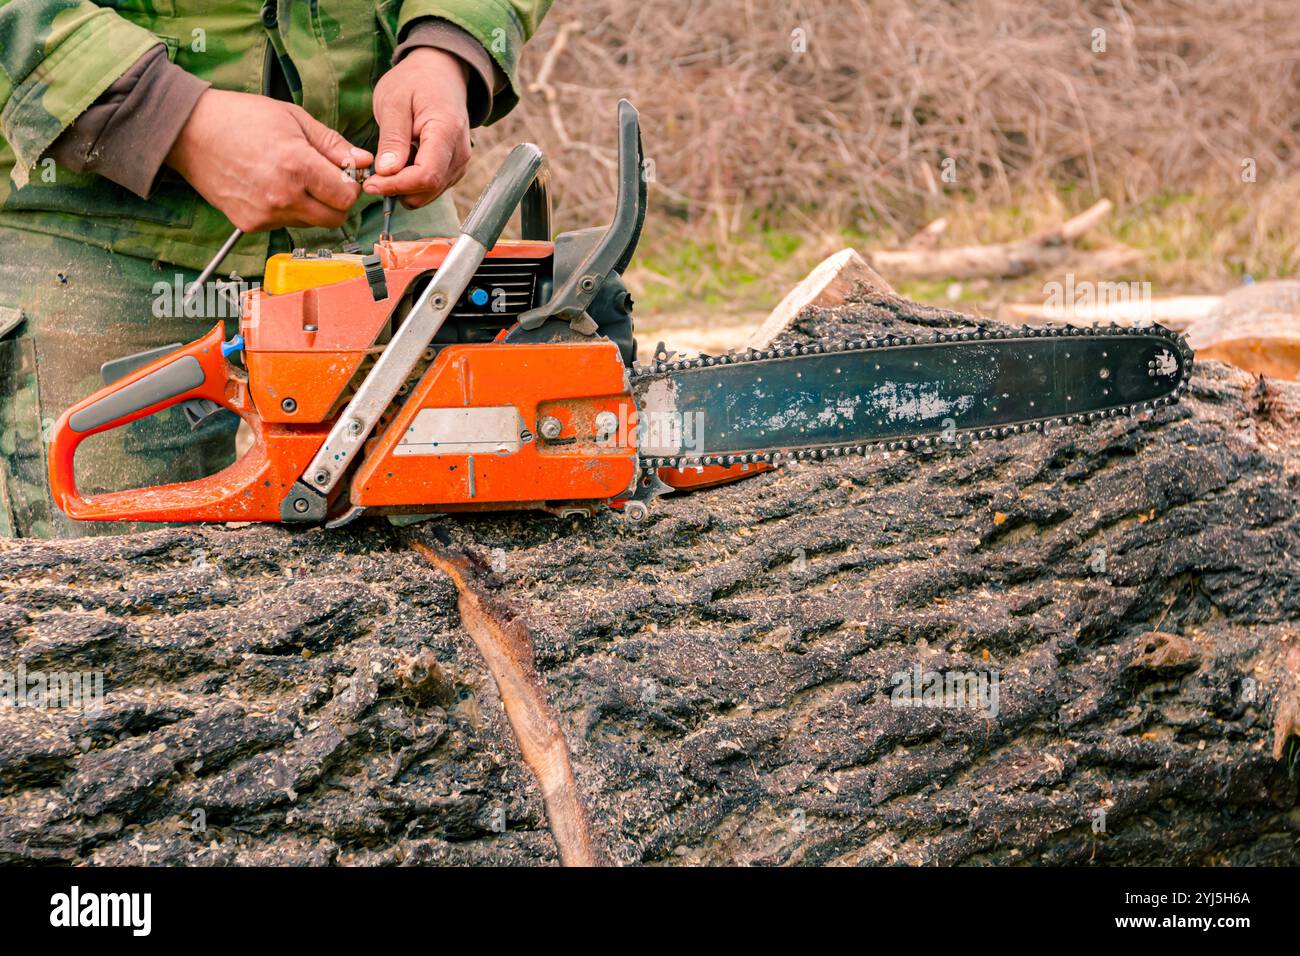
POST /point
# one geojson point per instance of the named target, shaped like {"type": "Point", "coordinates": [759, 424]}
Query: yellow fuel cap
{"type": "Point", "coordinates": [287, 272]}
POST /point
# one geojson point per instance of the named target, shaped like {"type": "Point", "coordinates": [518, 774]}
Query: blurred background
{"type": "Point", "coordinates": [780, 132]}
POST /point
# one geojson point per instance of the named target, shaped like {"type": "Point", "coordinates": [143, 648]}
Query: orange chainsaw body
{"type": "Point", "coordinates": [571, 383]}
{"type": "Point", "coordinates": [465, 438]}
{"type": "Point", "coordinates": [517, 400]}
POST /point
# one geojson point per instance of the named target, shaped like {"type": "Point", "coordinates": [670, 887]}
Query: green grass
{"type": "Point", "coordinates": [1190, 243]}
{"type": "Point", "coordinates": [679, 271]}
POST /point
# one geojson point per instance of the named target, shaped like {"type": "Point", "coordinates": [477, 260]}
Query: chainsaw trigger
{"type": "Point", "coordinates": [199, 410]}
{"type": "Point", "coordinates": [349, 516]}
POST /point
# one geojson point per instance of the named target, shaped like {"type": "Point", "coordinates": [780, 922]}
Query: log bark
{"type": "Point", "coordinates": [722, 679]}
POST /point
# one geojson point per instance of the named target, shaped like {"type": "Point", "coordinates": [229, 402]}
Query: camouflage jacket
{"type": "Point", "coordinates": [58, 56]}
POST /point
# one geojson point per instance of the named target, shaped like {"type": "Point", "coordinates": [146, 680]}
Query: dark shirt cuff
{"type": "Point", "coordinates": [125, 135]}
{"type": "Point", "coordinates": [485, 77]}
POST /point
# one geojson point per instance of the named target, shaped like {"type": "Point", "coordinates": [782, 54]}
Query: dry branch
{"type": "Point", "coordinates": [858, 123]}
{"type": "Point", "coordinates": [506, 649]}
{"type": "Point", "coordinates": [928, 238]}
{"type": "Point", "coordinates": [996, 260]}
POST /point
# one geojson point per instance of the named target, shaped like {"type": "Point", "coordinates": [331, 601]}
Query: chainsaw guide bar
{"type": "Point", "coordinates": [818, 401]}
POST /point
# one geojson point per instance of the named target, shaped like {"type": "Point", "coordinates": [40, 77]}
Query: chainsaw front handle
{"type": "Point", "coordinates": [523, 175]}
{"type": "Point", "coordinates": [197, 371]}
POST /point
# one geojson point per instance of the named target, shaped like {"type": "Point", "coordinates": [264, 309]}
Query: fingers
{"type": "Point", "coordinates": [298, 172]}
{"type": "Point", "coordinates": [417, 200]}
{"type": "Point", "coordinates": [439, 163]}
{"type": "Point", "coordinates": [395, 115]}
{"type": "Point", "coordinates": [307, 211]}
{"type": "Point", "coordinates": [326, 169]}
{"type": "Point", "coordinates": [329, 143]}
{"type": "Point", "coordinates": [311, 212]}
{"type": "Point", "coordinates": [422, 98]}
{"type": "Point", "coordinates": [293, 208]}
{"type": "Point", "coordinates": [328, 183]}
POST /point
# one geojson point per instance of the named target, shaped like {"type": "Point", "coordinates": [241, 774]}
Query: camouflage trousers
{"type": "Point", "coordinates": [67, 307]}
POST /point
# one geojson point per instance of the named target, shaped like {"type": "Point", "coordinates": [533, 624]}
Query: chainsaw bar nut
{"type": "Point", "coordinates": [606, 426]}
{"type": "Point", "coordinates": [550, 427]}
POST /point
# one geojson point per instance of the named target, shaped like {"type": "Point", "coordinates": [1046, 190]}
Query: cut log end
{"type": "Point", "coordinates": [830, 284]}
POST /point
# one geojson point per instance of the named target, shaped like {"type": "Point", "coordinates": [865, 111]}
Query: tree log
{"type": "Point", "coordinates": [717, 685]}
{"type": "Point", "coordinates": [829, 284]}
{"type": "Point", "coordinates": [1256, 327]}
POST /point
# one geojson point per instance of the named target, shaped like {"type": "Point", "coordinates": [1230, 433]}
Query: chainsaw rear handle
{"type": "Point", "coordinates": [197, 371]}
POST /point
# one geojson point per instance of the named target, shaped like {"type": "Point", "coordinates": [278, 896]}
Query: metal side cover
{"type": "Point", "coordinates": [463, 431]}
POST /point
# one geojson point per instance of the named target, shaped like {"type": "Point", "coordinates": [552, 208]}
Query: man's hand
{"type": "Point", "coordinates": [421, 106]}
{"type": "Point", "coordinates": [266, 164]}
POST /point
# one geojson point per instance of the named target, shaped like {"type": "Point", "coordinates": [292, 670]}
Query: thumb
{"type": "Point", "coordinates": [394, 148]}
{"type": "Point", "coordinates": [330, 143]}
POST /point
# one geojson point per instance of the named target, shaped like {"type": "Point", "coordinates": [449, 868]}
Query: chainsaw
{"type": "Point", "coordinates": [471, 374]}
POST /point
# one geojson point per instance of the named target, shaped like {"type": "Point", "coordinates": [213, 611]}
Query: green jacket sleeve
{"type": "Point", "coordinates": [502, 26]}
{"type": "Point", "coordinates": [56, 58]}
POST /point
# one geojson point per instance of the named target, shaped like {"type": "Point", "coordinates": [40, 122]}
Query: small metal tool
{"type": "Point", "coordinates": [359, 174]}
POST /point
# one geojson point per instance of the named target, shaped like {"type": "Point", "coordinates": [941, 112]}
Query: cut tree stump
{"type": "Point", "coordinates": [829, 284]}
{"type": "Point", "coordinates": [717, 685]}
